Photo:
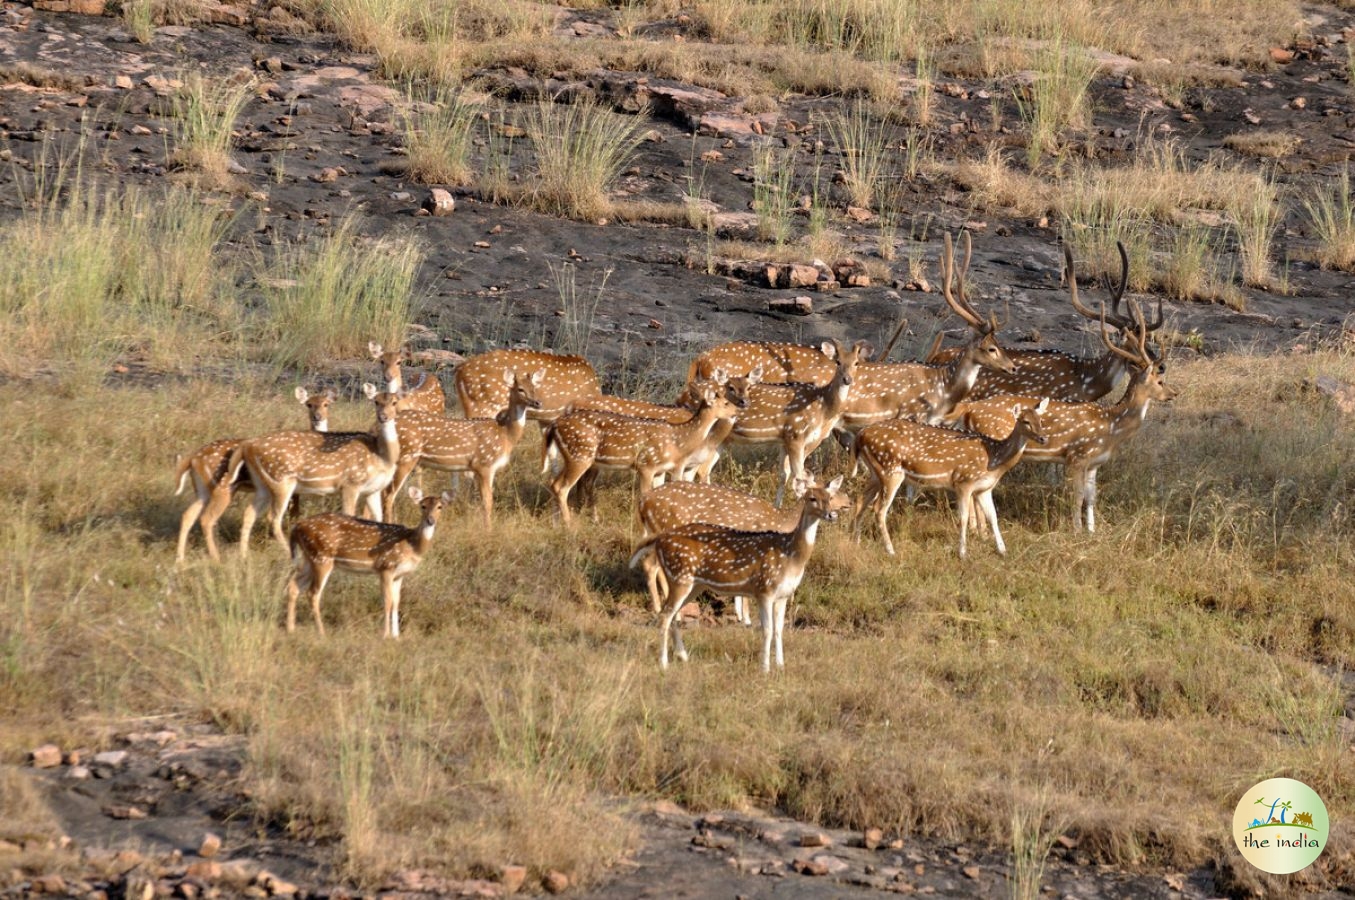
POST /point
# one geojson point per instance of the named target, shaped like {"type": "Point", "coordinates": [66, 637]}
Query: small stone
{"type": "Point", "coordinates": [859, 214]}
{"type": "Point", "coordinates": [858, 279]}
{"type": "Point", "coordinates": [872, 838]}
{"type": "Point", "coordinates": [799, 306]}
{"type": "Point", "coordinates": [1298, 102]}
{"type": "Point", "coordinates": [1281, 55]}
{"type": "Point", "coordinates": [512, 878]}
{"type": "Point", "coordinates": [798, 275]}
{"type": "Point", "coordinates": [276, 886]}
{"type": "Point", "coordinates": [497, 229]}
{"type": "Point", "coordinates": [972, 872]}
{"type": "Point", "coordinates": [326, 175]}
{"type": "Point", "coordinates": [210, 846]}
{"type": "Point", "coordinates": [815, 839]}
{"type": "Point", "coordinates": [483, 245]}
{"type": "Point", "coordinates": [809, 865]}
{"type": "Point", "coordinates": [123, 82]}
{"type": "Point", "coordinates": [111, 758]}
{"type": "Point", "coordinates": [555, 882]}
{"type": "Point", "coordinates": [45, 757]}
{"type": "Point", "coordinates": [439, 203]}
{"type": "Point", "coordinates": [188, 890]}
{"type": "Point", "coordinates": [402, 196]}
{"type": "Point", "coordinates": [78, 773]}
{"type": "Point", "coordinates": [712, 156]}
{"type": "Point", "coordinates": [204, 870]}
{"type": "Point", "coordinates": [49, 884]}
{"type": "Point", "coordinates": [124, 811]}
{"type": "Point", "coordinates": [139, 130]}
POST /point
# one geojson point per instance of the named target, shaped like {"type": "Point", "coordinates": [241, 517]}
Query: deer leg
{"type": "Point", "coordinates": [780, 612]}
{"type": "Point", "coordinates": [964, 500]}
{"type": "Point", "coordinates": [884, 499]}
{"type": "Point", "coordinates": [402, 470]}
{"type": "Point", "coordinates": [485, 482]}
{"type": "Point", "coordinates": [1078, 480]}
{"type": "Point", "coordinates": [866, 498]}
{"type": "Point", "coordinates": [1091, 500]}
{"type": "Point", "coordinates": [348, 500]}
{"type": "Point", "coordinates": [570, 473]}
{"type": "Point", "coordinates": [220, 500]}
{"type": "Point", "coordinates": [677, 595]}
{"type": "Point", "coordinates": [262, 501]}
{"type": "Point", "coordinates": [985, 500]}
{"type": "Point", "coordinates": [390, 593]}
{"type": "Point", "coordinates": [702, 473]}
{"type": "Point", "coordinates": [323, 569]}
{"type": "Point", "coordinates": [374, 506]}
{"type": "Point", "coordinates": [767, 615]}
{"type": "Point", "coordinates": [302, 579]}
{"type": "Point", "coordinates": [654, 578]}
{"type": "Point", "coordinates": [190, 516]}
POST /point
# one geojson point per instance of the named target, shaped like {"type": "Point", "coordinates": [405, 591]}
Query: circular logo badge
{"type": "Point", "coordinates": [1280, 826]}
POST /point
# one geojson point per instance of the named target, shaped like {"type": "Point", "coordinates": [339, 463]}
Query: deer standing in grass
{"type": "Point", "coordinates": [886, 391]}
{"type": "Point", "coordinates": [1059, 375]}
{"type": "Point", "coordinates": [1084, 436]}
{"type": "Point", "coordinates": [352, 464]}
{"type": "Point", "coordinates": [969, 466]}
{"type": "Point", "coordinates": [320, 544]}
{"type": "Point", "coordinates": [798, 416]}
{"type": "Point", "coordinates": [764, 565]}
{"type": "Point", "coordinates": [683, 504]}
{"type": "Point", "coordinates": [424, 395]}
{"type": "Point", "coordinates": [479, 446]}
{"type": "Point", "coordinates": [587, 438]}
{"type": "Point", "coordinates": [483, 391]}
{"type": "Point", "coordinates": [205, 468]}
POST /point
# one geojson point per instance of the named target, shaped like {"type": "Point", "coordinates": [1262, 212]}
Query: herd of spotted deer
{"type": "Point", "coordinates": [957, 422]}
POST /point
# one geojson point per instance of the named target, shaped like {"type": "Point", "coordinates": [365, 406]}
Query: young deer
{"type": "Point", "coordinates": [205, 468]}
{"type": "Point", "coordinates": [889, 390]}
{"type": "Point", "coordinates": [969, 466]}
{"type": "Point", "coordinates": [1059, 375]}
{"type": "Point", "coordinates": [799, 416]}
{"type": "Point", "coordinates": [320, 544]}
{"type": "Point", "coordinates": [424, 395]}
{"type": "Point", "coordinates": [587, 438]}
{"type": "Point", "coordinates": [765, 565]}
{"type": "Point", "coordinates": [351, 464]}
{"type": "Point", "coordinates": [483, 390]}
{"type": "Point", "coordinates": [680, 504]}
{"type": "Point", "coordinates": [479, 446]}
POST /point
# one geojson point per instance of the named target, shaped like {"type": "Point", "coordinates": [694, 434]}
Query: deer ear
{"type": "Point", "coordinates": [828, 350]}
{"type": "Point", "coordinates": [369, 390]}
{"type": "Point", "coordinates": [865, 350]}
{"type": "Point", "coordinates": [415, 494]}
{"type": "Point", "coordinates": [719, 376]}
{"type": "Point", "coordinates": [538, 377]}
{"type": "Point", "coordinates": [835, 485]}
{"type": "Point", "coordinates": [755, 376]}
{"type": "Point", "coordinates": [330, 395]}
{"type": "Point", "coordinates": [446, 496]}
{"type": "Point", "coordinates": [800, 485]}
{"type": "Point", "coordinates": [508, 377]}
{"type": "Point", "coordinates": [374, 348]}
{"type": "Point", "coordinates": [1044, 405]}
{"type": "Point", "coordinates": [301, 394]}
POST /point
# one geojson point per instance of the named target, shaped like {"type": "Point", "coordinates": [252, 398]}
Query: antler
{"type": "Point", "coordinates": [1137, 338]}
{"type": "Point", "coordinates": [1120, 322]}
{"type": "Point", "coordinates": [961, 305]}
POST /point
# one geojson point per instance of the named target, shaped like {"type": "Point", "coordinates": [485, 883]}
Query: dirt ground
{"type": "Point", "coordinates": [487, 281]}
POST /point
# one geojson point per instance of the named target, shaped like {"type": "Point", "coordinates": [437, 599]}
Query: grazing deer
{"type": "Point", "coordinates": [205, 468]}
{"type": "Point", "coordinates": [320, 544]}
{"type": "Point", "coordinates": [586, 438]}
{"type": "Point", "coordinates": [479, 446]}
{"type": "Point", "coordinates": [889, 390]}
{"type": "Point", "coordinates": [799, 416]}
{"type": "Point", "coordinates": [483, 390]}
{"type": "Point", "coordinates": [969, 466]}
{"type": "Point", "coordinates": [679, 504]}
{"type": "Point", "coordinates": [764, 565]}
{"type": "Point", "coordinates": [1059, 375]}
{"type": "Point", "coordinates": [352, 464]}
{"type": "Point", "coordinates": [424, 395]}
{"type": "Point", "coordinates": [779, 363]}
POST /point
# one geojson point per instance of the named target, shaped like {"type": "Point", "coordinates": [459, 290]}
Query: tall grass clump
{"type": "Point", "coordinates": [205, 111]}
{"type": "Point", "coordinates": [1032, 837]}
{"type": "Point", "coordinates": [438, 135]}
{"type": "Point", "coordinates": [581, 148]}
{"type": "Point", "coordinates": [1256, 215]}
{"type": "Point", "coordinates": [773, 191]}
{"type": "Point", "coordinates": [862, 141]}
{"type": "Point", "coordinates": [578, 307]}
{"type": "Point", "coordinates": [1058, 98]}
{"type": "Point", "coordinates": [330, 297]}
{"type": "Point", "coordinates": [1332, 214]}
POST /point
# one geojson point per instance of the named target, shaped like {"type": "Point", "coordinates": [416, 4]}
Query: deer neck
{"type": "Point", "coordinates": [1104, 372]}
{"type": "Point", "coordinates": [513, 421]}
{"type": "Point", "coordinates": [691, 435]}
{"type": "Point", "coordinates": [395, 383]}
{"type": "Point", "coordinates": [836, 393]}
{"type": "Point", "coordinates": [959, 377]}
{"type": "Point", "coordinates": [321, 427]}
{"type": "Point", "coordinates": [388, 442]}
{"type": "Point", "coordinates": [1004, 454]}
{"type": "Point", "coordinates": [805, 533]}
{"type": "Point", "coordinates": [1127, 415]}
{"type": "Point", "coordinates": [421, 537]}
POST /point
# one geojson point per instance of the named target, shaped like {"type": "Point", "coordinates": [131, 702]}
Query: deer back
{"type": "Point", "coordinates": [483, 391]}
{"type": "Point", "coordinates": [679, 503]}
{"type": "Point", "coordinates": [925, 453]}
{"type": "Point", "coordinates": [780, 363]}
{"type": "Point", "coordinates": [355, 543]}
{"type": "Point", "coordinates": [640, 409]}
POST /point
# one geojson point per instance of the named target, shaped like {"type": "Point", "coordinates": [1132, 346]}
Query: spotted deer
{"type": "Point", "coordinates": [424, 395]}
{"type": "Point", "coordinates": [352, 464]}
{"type": "Point", "coordinates": [320, 544]}
{"type": "Point", "coordinates": [483, 391]}
{"type": "Point", "coordinates": [587, 438]}
{"type": "Point", "coordinates": [1055, 373]}
{"type": "Point", "coordinates": [888, 390]}
{"type": "Point", "coordinates": [799, 416]}
{"type": "Point", "coordinates": [205, 469]}
{"type": "Point", "coordinates": [766, 566]}
{"type": "Point", "coordinates": [479, 446]}
{"type": "Point", "coordinates": [779, 363]}
{"type": "Point", "coordinates": [680, 504]}
{"type": "Point", "coordinates": [969, 466]}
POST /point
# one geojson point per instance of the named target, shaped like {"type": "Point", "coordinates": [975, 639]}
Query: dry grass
{"type": "Point", "coordinates": [580, 150]}
{"type": "Point", "coordinates": [205, 111]}
{"type": "Point", "coordinates": [1265, 144]}
{"type": "Point", "coordinates": [1332, 213]}
{"type": "Point", "coordinates": [438, 135]}
{"type": "Point", "coordinates": [1159, 664]}
{"type": "Point", "coordinates": [23, 72]}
